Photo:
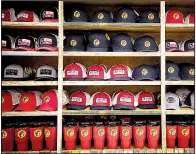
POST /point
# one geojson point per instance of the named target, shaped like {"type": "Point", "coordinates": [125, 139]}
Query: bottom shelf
{"type": "Point", "coordinates": [33, 152]}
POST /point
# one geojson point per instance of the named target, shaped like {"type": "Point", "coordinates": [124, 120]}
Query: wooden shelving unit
{"type": "Point", "coordinates": [29, 53]}
{"type": "Point", "coordinates": [179, 27]}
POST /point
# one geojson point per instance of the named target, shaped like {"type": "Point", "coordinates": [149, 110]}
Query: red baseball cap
{"type": "Point", "coordinates": [119, 72]}
{"type": "Point", "coordinates": [100, 101]}
{"type": "Point", "coordinates": [50, 100]}
{"type": "Point", "coordinates": [29, 101]}
{"type": "Point", "coordinates": [8, 15]}
{"type": "Point", "coordinates": [174, 17]}
{"type": "Point", "coordinates": [75, 71]}
{"type": "Point", "coordinates": [27, 16]}
{"type": "Point", "coordinates": [97, 72]}
{"type": "Point", "coordinates": [190, 19]}
{"type": "Point", "coordinates": [79, 100]}
{"type": "Point", "coordinates": [123, 100]}
{"type": "Point", "coordinates": [145, 100]}
{"type": "Point", "coordinates": [10, 98]}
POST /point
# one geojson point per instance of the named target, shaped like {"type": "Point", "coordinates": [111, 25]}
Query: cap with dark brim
{"type": "Point", "coordinates": [47, 49]}
{"type": "Point", "coordinates": [146, 51]}
{"type": "Point", "coordinates": [23, 49]}
{"type": "Point", "coordinates": [74, 79]}
{"type": "Point", "coordinates": [144, 79]}
{"type": "Point", "coordinates": [100, 108]}
{"type": "Point", "coordinates": [124, 107]}
{"type": "Point", "coordinates": [174, 50]}
{"type": "Point", "coordinates": [120, 79]}
{"type": "Point", "coordinates": [97, 49]}
{"type": "Point", "coordinates": [77, 20]}
{"type": "Point", "coordinates": [94, 79]}
{"type": "Point", "coordinates": [147, 106]}
{"type": "Point", "coordinates": [50, 20]}
{"type": "Point", "coordinates": [173, 78]}
{"type": "Point", "coordinates": [6, 49]}
{"type": "Point", "coordinates": [73, 49]}
{"type": "Point", "coordinates": [45, 78]}
{"type": "Point", "coordinates": [122, 50]}
{"type": "Point", "coordinates": [76, 107]}
{"type": "Point", "coordinates": [14, 79]}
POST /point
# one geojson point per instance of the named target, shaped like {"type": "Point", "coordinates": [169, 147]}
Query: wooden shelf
{"type": "Point", "coordinates": [180, 28]}
{"type": "Point", "coordinates": [136, 27]}
{"type": "Point", "coordinates": [109, 83]}
{"type": "Point", "coordinates": [29, 83]}
{"type": "Point", "coordinates": [182, 111]}
{"type": "Point", "coordinates": [182, 82]}
{"type": "Point", "coordinates": [33, 113]}
{"type": "Point", "coordinates": [30, 25]}
{"type": "Point", "coordinates": [28, 53]}
{"type": "Point", "coordinates": [180, 54]}
{"type": "Point", "coordinates": [112, 54]}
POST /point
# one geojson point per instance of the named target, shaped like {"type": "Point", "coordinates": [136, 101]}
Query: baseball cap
{"type": "Point", "coordinates": [25, 43]}
{"type": "Point", "coordinates": [183, 93]}
{"type": "Point", "coordinates": [100, 101]}
{"type": "Point", "coordinates": [49, 14]}
{"type": "Point", "coordinates": [172, 71]}
{"type": "Point", "coordinates": [119, 72]}
{"type": "Point", "coordinates": [97, 72]}
{"type": "Point", "coordinates": [27, 16]}
{"type": "Point", "coordinates": [193, 100]}
{"type": "Point", "coordinates": [98, 42]}
{"type": "Point", "coordinates": [188, 45]}
{"type": "Point", "coordinates": [29, 101]}
{"type": "Point", "coordinates": [79, 15]}
{"type": "Point", "coordinates": [145, 100]}
{"type": "Point", "coordinates": [190, 19]}
{"type": "Point", "coordinates": [174, 17]}
{"type": "Point", "coordinates": [121, 42]}
{"type": "Point", "coordinates": [17, 72]}
{"type": "Point", "coordinates": [187, 71]}
{"type": "Point", "coordinates": [7, 43]}
{"type": "Point", "coordinates": [123, 100]}
{"type": "Point", "coordinates": [102, 16]}
{"type": "Point", "coordinates": [8, 15]}
{"type": "Point", "coordinates": [10, 99]}
{"type": "Point", "coordinates": [74, 42]}
{"type": "Point", "coordinates": [79, 100]}
{"type": "Point", "coordinates": [144, 72]}
{"type": "Point", "coordinates": [48, 42]}
{"type": "Point", "coordinates": [172, 46]}
{"type": "Point", "coordinates": [172, 101]}
{"type": "Point", "coordinates": [46, 73]}
{"type": "Point", "coordinates": [145, 44]}
{"type": "Point", "coordinates": [75, 71]}
{"type": "Point", "coordinates": [149, 16]}
{"type": "Point", "coordinates": [50, 100]}
{"type": "Point", "coordinates": [126, 15]}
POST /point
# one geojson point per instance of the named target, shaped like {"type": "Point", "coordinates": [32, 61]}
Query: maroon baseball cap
{"type": "Point", "coordinates": [97, 72]}
{"type": "Point", "coordinates": [8, 15]}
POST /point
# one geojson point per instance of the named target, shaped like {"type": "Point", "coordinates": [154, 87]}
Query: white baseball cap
{"type": "Point", "coordinates": [172, 101]}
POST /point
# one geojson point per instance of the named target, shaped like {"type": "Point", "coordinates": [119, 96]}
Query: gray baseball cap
{"type": "Point", "coordinates": [193, 100]}
{"type": "Point", "coordinates": [45, 73]}
{"type": "Point", "coordinates": [183, 93]}
{"type": "Point", "coordinates": [172, 101]}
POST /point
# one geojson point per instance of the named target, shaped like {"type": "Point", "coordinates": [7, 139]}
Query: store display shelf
{"type": "Point", "coordinates": [28, 53]}
{"type": "Point", "coordinates": [180, 150]}
{"type": "Point", "coordinates": [180, 28]}
{"type": "Point", "coordinates": [179, 54]}
{"type": "Point", "coordinates": [29, 83]}
{"type": "Point", "coordinates": [137, 27]}
{"type": "Point", "coordinates": [182, 111]}
{"type": "Point", "coordinates": [30, 152]}
{"type": "Point", "coordinates": [182, 82]}
{"type": "Point", "coordinates": [33, 113]}
{"type": "Point", "coordinates": [113, 54]}
{"type": "Point", "coordinates": [30, 25]}
{"type": "Point", "coordinates": [109, 83]}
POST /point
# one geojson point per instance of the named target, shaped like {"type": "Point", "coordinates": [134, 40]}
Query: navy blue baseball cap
{"type": "Point", "coordinates": [188, 45]}
{"type": "Point", "coordinates": [121, 43]}
{"type": "Point", "coordinates": [102, 16]}
{"type": "Point", "coordinates": [126, 15]}
{"type": "Point", "coordinates": [79, 15]}
{"type": "Point", "coordinates": [157, 67]}
{"type": "Point", "coordinates": [145, 44]}
{"type": "Point", "coordinates": [144, 72]}
{"type": "Point", "coordinates": [187, 71]}
{"type": "Point", "coordinates": [74, 42]}
{"type": "Point", "coordinates": [98, 42]}
{"type": "Point", "coordinates": [149, 16]}
{"type": "Point", "coordinates": [172, 71]}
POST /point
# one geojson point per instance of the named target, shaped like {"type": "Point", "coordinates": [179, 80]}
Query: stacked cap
{"type": "Point", "coordinates": [97, 72]}
{"type": "Point", "coordinates": [100, 101]}
{"type": "Point", "coordinates": [7, 43]}
{"type": "Point", "coordinates": [190, 19]}
{"type": "Point", "coordinates": [122, 42]}
{"type": "Point", "coordinates": [174, 16]}
{"type": "Point", "coordinates": [172, 71]}
{"type": "Point", "coordinates": [183, 93]}
{"type": "Point", "coordinates": [172, 46]}
{"type": "Point", "coordinates": [119, 72]}
{"type": "Point", "coordinates": [27, 16]}
{"type": "Point", "coordinates": [25, 43]}
{"type": "Point", "coordinates": [79, 100]}
{"type": "Point", "coordinates": [149, 16]}
{"type": "Point", "coordinates": [172, 101]}
{"type": "Point", "coordinates": [45, 73]}
{"type": "Point", "coordinates": [145, 44]}
{"type": "Point", "coordinates": [187, 71]}
{"type": "Point", "coordinates": [123, 100]}
{"type": "Point", "coordinates": [126, 15]}
{"type": "Point", "coordinates": [8, 15]}
{"type": "Point", "coordinates": [188, 46]}
{"type": "Point", "coordinates": [75, 71]}
{"type": "Point", "coordinates": [79, 15]}
{"type": "Point", "coordinates": [49, 14]}
{"type": "Point", "coordinates": [102, 16]}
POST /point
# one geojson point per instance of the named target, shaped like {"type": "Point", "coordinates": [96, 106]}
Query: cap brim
{"type": "Point", "coordinates": [122, 50]}
{"type": "Point", "coordinates": [73, 49]}
{"type": "Point", "coordinates": [147, 106]}
{"type": "Point", "coordinates": [120, 79]}
{"type": "Point", "coordinates": [174, 50]}
{"type": "Point", "coordinates": [45, 79]}
{"type": "Point", "coordinates": [23, 108]}
{"type": "Point", "coordinates": [76, 107]}
{"type": "Point", "coordinates": [100, 107]}
{"type": "Point", "coordinates": [173, 78]}
{"type": "Point", "coordinates": [97, 49]}
{"type": "Point", "coordinates": [124, 107]}
{"type": "Point", "coordinates": [13, 79]}
{"type": "Point", "coordinates": [144, 79]}
{"type": "Point", "coordinates": [76, 20]}
{"type": "Point", "coordinates": [75, 79]}
{"type": "Point", "coordinates": [50, 20]}
{"type": "Point", "coordinates": [46, 107]}
{"type": "Point", "coordinates": [92, 79]}
{"type": "Point", "coordinates": [23, 49]}
{"type": "Point", "coordinates": [146, 51]}
{"type": "Point", "coordinates": [172, 107]}
{"type": "Point", "coordinates": [6, 49]}
{"type": "Point", "coordinates": [47, 49]}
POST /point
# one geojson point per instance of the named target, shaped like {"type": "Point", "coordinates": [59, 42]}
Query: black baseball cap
{"type": "Point", "coordinates": [187, 71]}
{"type": "Point", "coordinates": [98, 42]}
{"type": "Point", "coordinates": [49, 14]}
{"type": "Point", "coordinates": [74, 42]}
{"type": "Point", "coordinates": [172, 46]}
{"type": "Point", "coordinates": [188, 45]}
{"type": "Point", "coordinates": [79, 15]}
{"type": "Point", "coordinates": [126, 15]}
{"type": "Point", "coordinates": [121, 43]}
{"type": "Point", "coordinates": [25, 43]}
{"type": "Point", "coordinates": [145, 44]}
{"type": "Point", "coordinates": [102, 16]}
{"type": "Point", "coordinates": [172, 71]}
{"type": "Point", "coordinates": [7, 43]}
{"type": "Point", "coordinates": [149, 16]}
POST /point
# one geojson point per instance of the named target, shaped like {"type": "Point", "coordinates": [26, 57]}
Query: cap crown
{"type": "Point", "coordinates": [79, 15]}
{"type": "Point", "coordinates": [145, 98]}
{"type": "Point", "coordinates": [149, 16]}
{"type": "Point", "coordinates": [80, 98]}
{"type": "Point", "coordinates": [48, 40]}
{"type": "Point", "coordinates": [102, 16]}
{"type": "Point", "coordinates": [174, 16]}
{"type": "Point", "coordinates": [100, 99]}
{"type": "Point", "coordinates": [25, 41]}
{"type": "Point", "coordinates": [183, 93]}
{"type": "Point", "coordinates": [172, 101]}
{"type": "Point", "coordinates": [188, 45]}
{"type": "Point", "coordinates": [171, 45]}
{"type": "Point", "coordinates": [187, 71]}
{"type": "Point", "coordinates": [46, 71]}
{"type": "Point", "coordinates": [190, 19]}
{"type": "Point", "coordinates": [8, 15]}
{"type": "Point", "coordinates": [7, 42]}
{"type": "Point", "coordinates": [27, 16]}
{"type": "Point", "coordinates": [172, 70]}
{"type": "Point", "coordinates": [49, 13]}
{"type": "Point", "coordinates": [97, 72]}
